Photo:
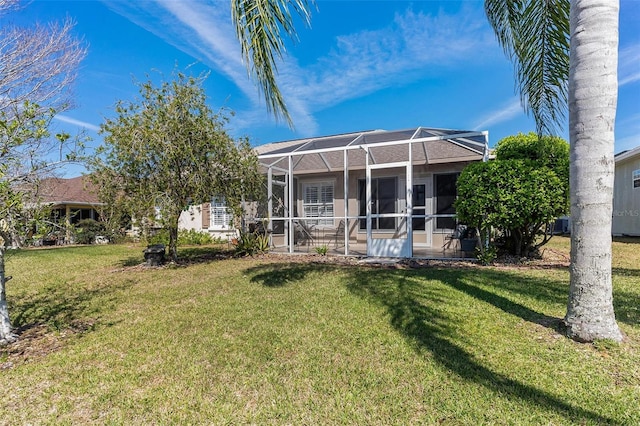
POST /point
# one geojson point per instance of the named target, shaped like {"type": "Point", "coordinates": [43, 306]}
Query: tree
{"type": "Point", "coordinates": [168, 150]}
{"type": "Point", "coordinates": [37, 66]}
{"type": "Point", "coordinates": [519, 193]}
{"type": "Point", "coordinates": [563, 50]}
{"type": "Point", "coordinates": [259, 25]}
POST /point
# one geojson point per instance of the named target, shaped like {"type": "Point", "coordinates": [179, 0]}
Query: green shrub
{"type": "Point", "coordinates": [250, 243]}
{"type": "Point", "coordinates": [86, 231]}
{"type": "Point", "coordinates": [158, 236]}
{"type": "Point", "coordinates": [519, 193]}
{"type": "Point", "coordinates": [322, 250]}
{"type": "Point", "coordinates": [486, 255]}
{"type": "Point", "coordinates": [194, 238]}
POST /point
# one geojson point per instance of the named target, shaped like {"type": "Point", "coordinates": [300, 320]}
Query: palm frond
{"type": "Point", "coordinates": [260, 25]}
{"type": "Point", "coordinates": [535, 36]}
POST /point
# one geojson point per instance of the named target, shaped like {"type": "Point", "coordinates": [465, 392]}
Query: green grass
{"type": "Point", "coordinates": [269, 341]}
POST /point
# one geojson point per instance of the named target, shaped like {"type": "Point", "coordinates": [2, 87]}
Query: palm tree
{"type": "Point", "coordinates": [562, 48]}
{"type": "Point", "coordinates": [259, 25]}
{"type": "Point", "coordinates": [565, 54]}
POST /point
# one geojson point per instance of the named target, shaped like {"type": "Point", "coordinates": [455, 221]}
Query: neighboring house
{"type": "Point", "coordinates": [374, 193]}
{"type": "Point", "coordinates": [626, 194]}
{"type": "Point", "coordinates": [71, 200]}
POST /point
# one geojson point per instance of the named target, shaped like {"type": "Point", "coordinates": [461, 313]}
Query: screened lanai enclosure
{"type": "Point", "coordinates": [372, 193]}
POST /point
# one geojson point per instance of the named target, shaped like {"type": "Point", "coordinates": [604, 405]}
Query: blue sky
{"type": "Point", "coordinates": [362, 65]}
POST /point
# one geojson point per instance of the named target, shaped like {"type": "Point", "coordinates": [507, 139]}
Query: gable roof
{"type": "Point", "coordinates": [428, 146]}
{"type": "Point", "coordinates": [628, 154]}
{"type": "Point", "coordinates": [78, 190]}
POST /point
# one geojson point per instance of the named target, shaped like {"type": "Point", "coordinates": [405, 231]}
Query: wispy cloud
{"type": "Point", "coordinates": [413, 45]}
{"type": "Point", "coordinates": [628, 69]}
{"type": "Point", "coordinates": [79, 123]}
{"type": "Point", "coordinates": [504, 113]}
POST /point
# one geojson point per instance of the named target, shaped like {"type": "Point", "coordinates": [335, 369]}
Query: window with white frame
{"type": "Point", "coordinates": [635, 177]}
{"type": "Point", "coordinates": [221, 216]}
{"type": "Point", "coordinates": [317, 203]}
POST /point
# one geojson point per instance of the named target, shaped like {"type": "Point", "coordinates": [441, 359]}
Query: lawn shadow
{"type": "Point", "coordinates": [627, 240]}
{"type": "Point", "coordinates": [60, 308]}
{"type": "Point", "coordinates": [282, 274]}
{"type": "Point", "coordinates": [625, 272]}
{"type": "Point", "coordinates": [414, 313]}
{"type": "Point", "coordinates": [544, 290]}
{"type": "Point", "coordinates": [626, 307]}
{"type": "Point", "coordinates": [414, 310]}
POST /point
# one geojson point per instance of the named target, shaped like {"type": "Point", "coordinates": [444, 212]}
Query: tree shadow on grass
{"type": "Point", "coordinates": [64, 306]}
{"type": "Point", "coordinates": [282, 274]}
{"type": "Point", "coordinates": [407, 301]}
{"type": "Point", "coordinates": [414, 307]}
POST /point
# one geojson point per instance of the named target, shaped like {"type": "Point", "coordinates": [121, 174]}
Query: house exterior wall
{"type": "Point", "coordinates": [198, 218]}
{"type": "Point", "coordinates": [626, 197]}
{"type": "Point", "coordinates": [431, 237]}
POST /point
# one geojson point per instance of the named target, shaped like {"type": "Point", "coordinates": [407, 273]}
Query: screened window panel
{"type": "Point", "coordinates": [446, 193]}
{"type": "Point", "coordinates": [384, 197]}
{"type": "Point", "coordinates": [318, 203]}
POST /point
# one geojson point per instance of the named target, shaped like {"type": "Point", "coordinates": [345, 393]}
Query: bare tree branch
{"type": "Point", "coordinates": [39, 64]}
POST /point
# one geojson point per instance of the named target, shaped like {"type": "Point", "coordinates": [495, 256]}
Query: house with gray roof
{"type": "Point", "coordinates": [369, 193]}
{"type": "Point", "coordinates": [374, 193]}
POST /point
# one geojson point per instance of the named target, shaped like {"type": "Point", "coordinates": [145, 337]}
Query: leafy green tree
{"type": "Point", "coordinates": [519, 193]}
{"type": "Point", "coordinates": [566, 54]}
{"type": "Point", "coordinates": [168, 150]}
{"type": "Point", "coordinates": [37, 66]}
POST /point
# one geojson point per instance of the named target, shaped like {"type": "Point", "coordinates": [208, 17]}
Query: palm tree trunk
{"type": "Point", "coordinates": [593, 89]}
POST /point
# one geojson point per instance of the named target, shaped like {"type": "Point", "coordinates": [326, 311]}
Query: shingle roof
{"type": "Point", "coordinates": [428, 146]}
{"type": "Point", "coordinates": [630, 153]}
{"type": "Point", "coordinates": [77, 190]}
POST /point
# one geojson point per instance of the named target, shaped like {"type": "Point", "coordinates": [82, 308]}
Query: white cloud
{"type": "Point", "coordinates": [412, 45]}
{"type": "Point", "coordinates": [505, 113]}
{"type": "Point", "coordinates": [628, 69]}
{"type": "Point", "coordinates": [79, 123]}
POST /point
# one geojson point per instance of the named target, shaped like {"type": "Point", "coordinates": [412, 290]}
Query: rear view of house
{"type": "Point", "coordinates": [374, 193]}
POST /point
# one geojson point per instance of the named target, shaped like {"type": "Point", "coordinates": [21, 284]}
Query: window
{"type": "Point", "coordinates": [384, 197]}
{"type": "Point", "coordinates": [318, 203]}
{"type": "Point", "coordinates": [635, 177]}
{"type": "Point", "coordinates": [221, 216]}
{"type": "Point", "coordinates": [446, 193]}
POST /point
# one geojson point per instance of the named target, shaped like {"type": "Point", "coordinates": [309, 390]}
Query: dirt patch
{"type": "Point", "coordinates": [36, 342]}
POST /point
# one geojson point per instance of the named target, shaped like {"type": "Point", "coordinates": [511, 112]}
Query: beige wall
{"type": "Point", "coordinates": [626, 199]}
{"type": "Point", "coordinates": [422, 173]}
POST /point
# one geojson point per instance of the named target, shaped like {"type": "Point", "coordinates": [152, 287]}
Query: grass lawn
{"type": "Point", "coordinates": [275, 341]}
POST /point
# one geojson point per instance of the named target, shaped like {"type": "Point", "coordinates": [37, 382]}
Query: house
{"type": "Point", "coordinates": [370, 193]}
{"type": "Point", "coordinates": [70, 199]}
{"type": "Point", "coordinates": [374, 193]}
{"type": "Point", "coordinates": [626, 194]}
